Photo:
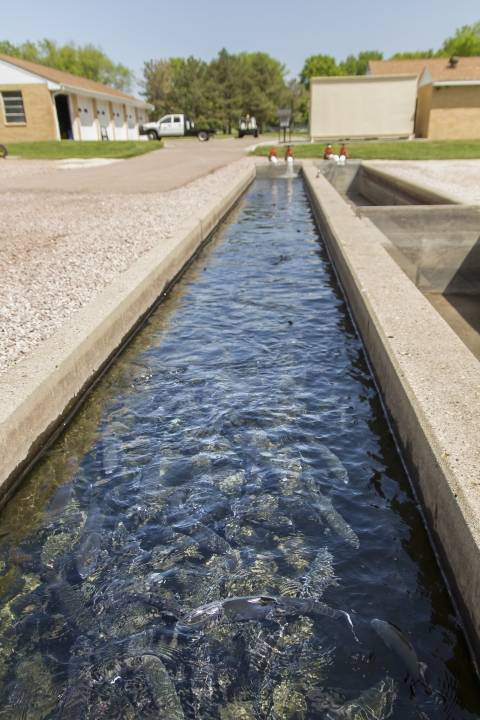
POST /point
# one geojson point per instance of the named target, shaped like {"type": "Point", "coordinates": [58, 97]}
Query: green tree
{"type": "Point", "coordinates": [87, 61]}
{"type": "Point", "coordinates": [465, 42]}
{"type": "Point", "coordinates": [229, 74]}
{"type": "Point", "coordinates": [191, 89]}
{"type": "Point", "coordinates": [298, 101]}
{"type": "Point", "coordinates": [319, 66]}
{"type": "Point", "coordinates": [264, 90]}
{"type": "Point", "coordinates": [6, 48]}
{"type": "Point", "coordinates": [357, 64]}
{"type": "Point", "coordinates": [156, 84]}
{"type": "Point", "coordinates": [417, 55]}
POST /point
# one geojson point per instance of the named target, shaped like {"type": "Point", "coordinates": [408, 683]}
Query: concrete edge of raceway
{"type": "Point", "coordinates": [430, 383]}
{"type": "Point", "coordinates": [422, 193]}
{"type": "Point", "coordinates": [40, 394]}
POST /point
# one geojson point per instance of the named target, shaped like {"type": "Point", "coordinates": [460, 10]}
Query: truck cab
{"type": "Point", "coordinates": [175, 125]}
{"type": "Point", "coordinates": [172, 125]}
{"type": "Point", "coordinates": [247, 126]}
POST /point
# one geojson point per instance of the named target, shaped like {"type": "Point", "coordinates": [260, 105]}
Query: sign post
{"type": "Point", "coordinates": [285, 123]}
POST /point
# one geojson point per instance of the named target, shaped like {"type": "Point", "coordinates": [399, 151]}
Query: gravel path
{"type": "Point", "coordinates": [57, 251]}
{"type": "Point", "coordinates": [458, 178]}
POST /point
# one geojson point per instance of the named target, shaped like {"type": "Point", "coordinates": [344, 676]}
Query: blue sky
{"type": "Point", "coordinates": [290, 31]}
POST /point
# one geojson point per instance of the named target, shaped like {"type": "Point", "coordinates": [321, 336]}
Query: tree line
{"type": "Point", "coordinates": [87, 61]}
{"type": "Point", "coordinates": [465, 43]}
{"type": "Point", "coordinates": [220, 91]}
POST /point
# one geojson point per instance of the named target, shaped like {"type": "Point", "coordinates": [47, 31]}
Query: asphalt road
{"type": "Point", "coordinates": [181, 161]}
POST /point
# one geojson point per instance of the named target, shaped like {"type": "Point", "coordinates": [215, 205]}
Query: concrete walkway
{"type": "Point", "coordinates": [180, 162]}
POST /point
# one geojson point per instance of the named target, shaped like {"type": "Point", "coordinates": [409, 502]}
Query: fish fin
{"type": "Point", "coordinates": [291, 588]}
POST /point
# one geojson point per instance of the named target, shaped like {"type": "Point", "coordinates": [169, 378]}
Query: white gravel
{"type": "Point", "coordinates": [57, 251]}
{"type": "Point", "coordinates": [12, 167]}
{"type": "Point", "coordinates": [458, 178]}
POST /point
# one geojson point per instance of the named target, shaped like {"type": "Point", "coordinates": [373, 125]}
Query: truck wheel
{"type": "Point", "coordinates": [152, 135]}
{"type": "Point", "coordinates": [255, 134]}
{"type": "Point", "coordinates": [240, 135]}
{"type": "Point", "coordinates": [203, 136]}
{"type": "Point", "coordinates": [3, 151]}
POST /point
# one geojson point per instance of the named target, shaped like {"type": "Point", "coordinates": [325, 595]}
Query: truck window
{"type": "Point", "coordinates": [176, 118]}
{"type": "Point", "coordinates": [166, 119]}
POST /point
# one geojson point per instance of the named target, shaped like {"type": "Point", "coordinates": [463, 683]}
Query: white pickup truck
{"type": "Point", "coordinates": [175, 125]}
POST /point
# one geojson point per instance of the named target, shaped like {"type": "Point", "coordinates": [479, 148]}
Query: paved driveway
{"type": "Point", "coordinates": [178, 163]}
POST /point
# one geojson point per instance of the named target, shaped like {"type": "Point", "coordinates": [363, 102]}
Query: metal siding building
{"type": "Point", "coordinates": [360, 106]}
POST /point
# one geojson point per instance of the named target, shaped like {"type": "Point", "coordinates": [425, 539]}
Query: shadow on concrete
{"type": "Point", "coordinates": [467, 276]}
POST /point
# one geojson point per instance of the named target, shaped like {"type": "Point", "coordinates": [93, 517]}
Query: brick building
{"type": "Point", "coordinates": [41, 103]}
{"type": "Point", "coordinates": [448, 95]}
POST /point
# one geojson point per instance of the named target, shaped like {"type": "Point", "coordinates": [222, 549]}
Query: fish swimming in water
{"type": "Point", "coordinates": [59, 502]}
{"type": "Point", "coordinates": [318, 577]}
{"type": "Point", "coordinates": [205, 537]}
{"type": "Point", "coordinates": [164, 694]}
{"type": "Point", "coordinates": [79, 689]}
{"type": "Point", "coordinates": [323, 505]}
{"type": "Point", "coordinates": [257, 607]}
{"type": "Point", "coordinates": [110, 455]}
{"type": "Point", "coordinates": [401, 647]}
{"type": "Point", "coordinates": [333, 462]}
{"type": "Point", "coordinates": [91, 540]}
{"type": "Point", "coordinates": [376, 703]}
{"type": "Point", "coordinates": [33, 696]}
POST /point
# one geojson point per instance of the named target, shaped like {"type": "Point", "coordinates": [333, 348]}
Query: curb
{"type": "Point", "coordinates": [39, 394]}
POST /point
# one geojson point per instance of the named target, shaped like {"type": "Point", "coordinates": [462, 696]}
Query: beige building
{"type": "Point", "coordinates": [41, 103]}
{"type": "Point", "coordinates": [448, 101]}
{"type": "Point", "coordinates": [359, 106]}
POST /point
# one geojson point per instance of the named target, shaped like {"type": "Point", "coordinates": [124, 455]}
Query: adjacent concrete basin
{"type": "Point", "coordinates": [434, 239]}
{"type": "Point", "coordinates": [362, 185]}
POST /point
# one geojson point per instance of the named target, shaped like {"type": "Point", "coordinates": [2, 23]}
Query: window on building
{"type": "Point", "coordinates": [13, 106]}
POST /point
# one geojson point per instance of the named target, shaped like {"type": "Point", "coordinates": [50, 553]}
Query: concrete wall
{"type": "Point", "coordinates": [39, 113]}
{"type": "Point", "coordinates": [378, 186]}
{"type": "Point", "coordinates": [455, 113]}
{"type": "Point", "coordinates": [438, 247]}
{"type": "Point", "coordinates": [429, 380]}
{"type": "Point", "coordinates": [362, 106]}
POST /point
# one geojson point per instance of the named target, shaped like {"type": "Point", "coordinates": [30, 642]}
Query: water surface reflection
{"type": "Point", "coordinates": [225, 529]}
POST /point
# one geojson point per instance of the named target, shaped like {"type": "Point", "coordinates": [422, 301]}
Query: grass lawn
{"type": "Point", "coordinates": [62, 149]}
{"type": "Point", "coordinates": [434, 150]}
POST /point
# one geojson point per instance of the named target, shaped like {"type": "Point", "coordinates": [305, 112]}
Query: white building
{"type": "Point", "coordinates": [41, 103]}
{"type": "Point", "coordinates": [362, 106]}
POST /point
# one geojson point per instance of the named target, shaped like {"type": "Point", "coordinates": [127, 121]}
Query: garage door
{"type": "Point", "coordinates": [103, 112]}
{"type": "Point", "coordinates": [142, 116]}
{"type": "Point", "coordinates": [120, 128]}
{"type": "Point", "coordinates": [132, 123]}
{"type": "Point", "coordinates": [88, 126]}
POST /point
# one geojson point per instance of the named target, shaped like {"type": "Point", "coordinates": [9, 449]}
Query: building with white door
{"type": "Point", "coordinates": [41, 103]}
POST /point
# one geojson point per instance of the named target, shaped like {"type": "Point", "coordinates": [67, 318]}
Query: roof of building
{"type": "Point", "coordinates": [65, 78]}
{"type": "Point", "coordinates": [467, 68]}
